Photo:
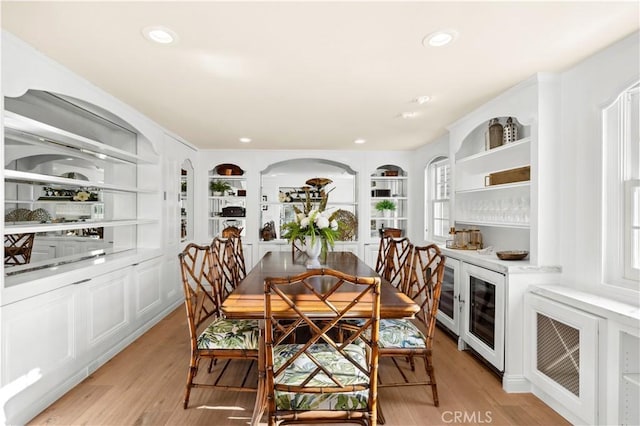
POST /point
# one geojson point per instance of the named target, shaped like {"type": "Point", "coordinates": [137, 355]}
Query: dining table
{"type": "Point", "coordinates": [247, 300]}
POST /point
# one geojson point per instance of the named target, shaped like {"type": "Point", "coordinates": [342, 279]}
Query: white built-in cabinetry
{"type": "Point", "coordinates": [71, 309]}
{"type": "Point", "coordinates": [512, 216]}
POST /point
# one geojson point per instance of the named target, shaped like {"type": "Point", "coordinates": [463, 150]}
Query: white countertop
{"type": "Point", "coordinates": [491, 261]}
{"type": "Point", "coordinates": [598, 305]}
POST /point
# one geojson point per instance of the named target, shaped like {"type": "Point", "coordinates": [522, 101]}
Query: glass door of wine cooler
{"type": "Point", "coordinates": [484, 293]}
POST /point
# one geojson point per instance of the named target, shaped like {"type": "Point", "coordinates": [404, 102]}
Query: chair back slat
{"type": "Point", "coordinates": [399, 255]}
{"type": "Point", "coordinates": [226, 262]}
{"type": "Point", "coordinates": [201, 286]}
{"type": "Point", "coordinates": [425, 284]}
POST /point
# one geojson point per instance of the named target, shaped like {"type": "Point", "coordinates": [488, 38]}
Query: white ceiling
{"type": "Point", "coordinates": [314, 75]}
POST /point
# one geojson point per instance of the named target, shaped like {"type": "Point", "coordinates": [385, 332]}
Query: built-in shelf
{"type": "Point", "coordinates": [38, 179]}
{"type": "Point", "coordinates": [633, 379]}
{"type": "Point", "coordinates": [64, 226]}
{"type": "Point", "coordinates": [495, 151]}
{"type": "Point", "coordinates": [38, 133]}
{"type": "Point", "coordinates": [495, 187]}
{"type": "Point", "coordinates": [494, 224]}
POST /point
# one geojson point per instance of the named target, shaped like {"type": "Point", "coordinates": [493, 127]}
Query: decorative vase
{"type": "Point", "coordinates": [494, 134]}
{"type": "Point", "coordinates": [313, 250]}
{"type": "Point", "coordinates": [510, 131]}
{"type": "Point", "coordinates": [386, 213]}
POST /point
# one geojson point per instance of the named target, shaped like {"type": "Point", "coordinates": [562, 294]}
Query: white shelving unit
{"type": "Point", "coordinates": [217, 222]}
{"type": "Point", "coordinates": [46, 164]}
{"type": "Point", "coordinates": [495, 209]}
{"type": "Point", "coordinates": [393, 188]}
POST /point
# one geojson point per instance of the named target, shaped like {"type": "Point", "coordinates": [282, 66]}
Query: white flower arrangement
{"type": "Point", "coordinates": [313, 222]}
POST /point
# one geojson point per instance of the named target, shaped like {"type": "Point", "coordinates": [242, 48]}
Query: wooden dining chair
{"type": "Point", "coordinates": [321, 380]}
{"type": "Point", "coordinates": [18, 248]}
{"type": "Point", "coordinates": [226, 259]}
{"type": "Point", "coordinates": [410, 338]}
{"type": "Point", "coordinates": [211, 335]}
{"type": "Point", "coordinates": [398, 256]}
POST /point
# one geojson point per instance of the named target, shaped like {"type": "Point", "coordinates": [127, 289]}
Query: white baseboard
{"type": "Point", "coordinates": [556, 406]}
{"type": "Point", "coordinates": [515, 384]}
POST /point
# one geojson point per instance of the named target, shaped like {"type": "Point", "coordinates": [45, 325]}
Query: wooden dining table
{"type": "Point", "coordinates": [247, 300]}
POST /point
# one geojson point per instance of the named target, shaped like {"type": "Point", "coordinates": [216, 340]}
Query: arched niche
{"type": "Point", "coordinates": [291, 176]}
{"type": "Point", "coordinates": [186, 200]}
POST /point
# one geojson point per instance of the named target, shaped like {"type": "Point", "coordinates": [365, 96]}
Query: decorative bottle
{"type": "Point", "coordinates": [510, 131]}
{"type": "Point", "coordinates": [494, 134]}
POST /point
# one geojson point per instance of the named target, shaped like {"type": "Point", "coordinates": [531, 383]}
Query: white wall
{"type": "Point", "coordinates": [586, 89]}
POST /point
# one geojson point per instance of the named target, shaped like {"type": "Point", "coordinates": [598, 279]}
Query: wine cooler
{"type": "Point", "coordinates": [484, 308]}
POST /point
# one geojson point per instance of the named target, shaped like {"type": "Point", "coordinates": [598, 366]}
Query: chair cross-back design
{"type": "Point", "coordinates": [238, 253]}
{"type": "Point", "coordinates": [211, 335]}
{"type": "Point", "coordinates": [226, 263]}
{"type": "Point", "coordinates": [402, 338]}
{"type": "Point", "coordinates": [17, 248]}
{"type": "Point", "coordinates": [325, 378]}
{"type": "Point", "coordinates": [383, 251]}
{"type": "Point", "coordinates": [398, 257]}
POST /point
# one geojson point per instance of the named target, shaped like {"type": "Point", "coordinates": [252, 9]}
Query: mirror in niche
{"type": "Point", "coordinates": [68, 194]}
{"type": "Point", "coordinates": [186, 201]}
{"type": "Point", "coordinates": [283, 187]}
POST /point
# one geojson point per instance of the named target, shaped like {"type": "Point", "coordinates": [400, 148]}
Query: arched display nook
{"type": "Point", "coordinates": [227, 196]}
{"type": "Point", "coordinates": [283, 187]}
{"type": "Point", "coordinates": [389, 201]}
{"type": "Point", "coordinates": [186, 201]}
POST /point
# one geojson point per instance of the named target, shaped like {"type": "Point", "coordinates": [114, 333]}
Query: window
{"type": "Point", "coordinates": [438, 195]}
{"type": "Point", "coordinates": [621, 190]}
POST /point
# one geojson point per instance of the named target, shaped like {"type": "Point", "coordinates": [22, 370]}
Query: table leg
{"type": "Point", "coordinates": [261, 395]}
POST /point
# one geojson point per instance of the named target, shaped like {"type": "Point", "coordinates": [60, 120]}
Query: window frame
{"type": "Point", "coordinates": [619, 181]}
{"type": "Point", "coordinates": [434, 198]}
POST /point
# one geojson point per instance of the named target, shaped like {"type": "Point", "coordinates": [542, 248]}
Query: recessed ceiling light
{"type": "Point", "coordinates": [245, 140]}
{"type": "Point", "coordinates": [422, 99]}
{"type": "Point", "coordinates": [359, 141]}
{"type": "Point", "coordinates": [439, 38]}
{"type": "Point", "coordinates": [408, 115]}
{"type": "Point", "coordinates": [160, 35]}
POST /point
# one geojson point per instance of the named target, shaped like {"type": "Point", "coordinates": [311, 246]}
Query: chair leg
{"type": "Point", "coordinates": [380, 416]}
{"type": "Point", "coordinates": [190, 375]}
{"type": "Point", "coordinates": [432, 378]}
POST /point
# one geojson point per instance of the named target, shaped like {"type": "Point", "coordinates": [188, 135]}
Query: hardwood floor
{"type": "Point", "coordinates": [144, 385]}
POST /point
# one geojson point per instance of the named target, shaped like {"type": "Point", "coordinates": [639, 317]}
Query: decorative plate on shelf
{"type": "Point", "coordinates": [17, 215]}
{"type": "Point", "coordinates": [512, 254]}
{"type": "Point", "coordinates": [349, 225]}
{"type": "Point", "coordinates": [41, 215]}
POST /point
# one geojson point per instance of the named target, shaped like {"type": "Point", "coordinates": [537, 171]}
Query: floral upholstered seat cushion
{"type": "Point", "coordinates": [230, 334]}
{"type": "Point", "coordinates": [396, 333]}
{"type": "Point", "coordinates": [296, 373]}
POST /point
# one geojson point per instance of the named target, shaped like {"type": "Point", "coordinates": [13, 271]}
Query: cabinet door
{"type": "Point", "coordinates": [449, 308]}
{"type": "Point", "coordinates": [147, 287]}
{"type": "Point", "coordinates": [106, 308]}
{"type": "Point", "coordinates": [484, 308]}
{"type": "Point", "coordinates": [39, 351]}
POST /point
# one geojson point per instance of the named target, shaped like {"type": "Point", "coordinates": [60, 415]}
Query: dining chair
{"type": "Point", "coordinates": [211, 335]}
{"type": "Point", "coordinates": [404, 337]}
{"type": "Point", "coordinates": [398, 256]}
{"type": "Point", "coordinates": [323, 379]}
{"type": "Point", "coordinates": [226, 260]}
{"type": "Point", "coordinates": [18, 248]}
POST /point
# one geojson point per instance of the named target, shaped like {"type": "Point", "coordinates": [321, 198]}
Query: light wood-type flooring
{"type": "Point", "coordinates": [144, 385]}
